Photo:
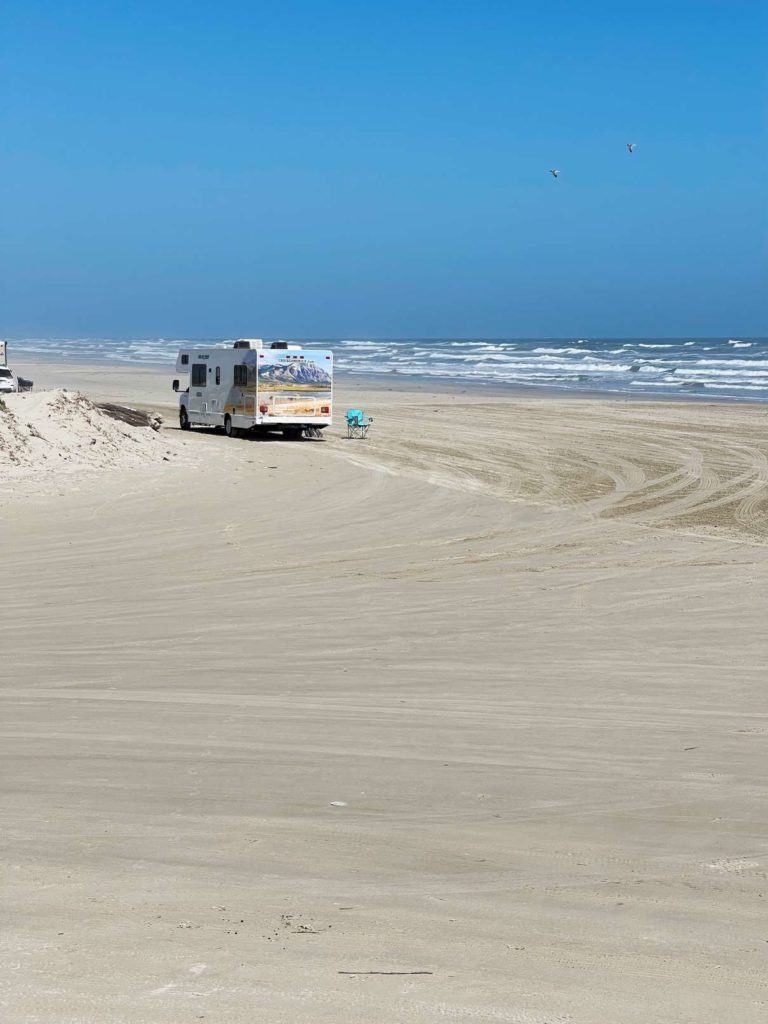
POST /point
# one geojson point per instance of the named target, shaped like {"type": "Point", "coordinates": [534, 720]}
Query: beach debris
{"type": "Point", "coordinates": [631, 147]}
{"type": "Point", "coordinates": [554, 172]}
{"type": "Point", "coordinates": [133, 417]}
{"type": "Point", "coordinates": [338, 803]}
{"type": "Point", "coordinates": [387, 973]}
{"type": "Point", "coordinates": [34, 431]}
{"type": "Point", "coordinates": [298, 927]}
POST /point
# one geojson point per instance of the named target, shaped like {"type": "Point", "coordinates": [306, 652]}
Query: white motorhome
{"type": "Point", "coordinates": [256, 386]}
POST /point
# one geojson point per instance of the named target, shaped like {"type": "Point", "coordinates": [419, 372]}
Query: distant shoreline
{"type": "Point", "coordinates": [382, 382]}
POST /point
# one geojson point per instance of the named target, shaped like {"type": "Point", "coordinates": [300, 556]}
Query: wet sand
{"type": "Point", "coordinates": [482, 698]}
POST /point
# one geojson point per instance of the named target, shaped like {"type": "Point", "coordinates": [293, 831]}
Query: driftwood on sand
{"type": "Point", "coordinates": [133, 417]}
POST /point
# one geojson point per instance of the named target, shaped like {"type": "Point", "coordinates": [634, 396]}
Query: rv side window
{"type": "Point", "coordinates": [218, 375]}
{"type": "Point", "coordinates": [198, 375]}
{"type": "Point", "coordinates": [241, 375]}
{"type": "Point", "coordinates": [184, 358]}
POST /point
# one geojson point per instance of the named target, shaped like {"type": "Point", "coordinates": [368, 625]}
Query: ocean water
{"type": "Point", "coordinates": [733, 368]}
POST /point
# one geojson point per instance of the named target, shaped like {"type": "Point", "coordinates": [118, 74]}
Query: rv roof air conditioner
{"type": "Point", "coordinates": [248, 343]}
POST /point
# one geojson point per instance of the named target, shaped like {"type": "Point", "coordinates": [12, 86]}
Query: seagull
{"type": "Point", "coordinates": [631, 146]}
{"type": "Point", "coordinates": [554, 172]}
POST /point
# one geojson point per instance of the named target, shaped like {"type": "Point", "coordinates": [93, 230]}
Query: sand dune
{"type": "Point", "coordinates": [519, 643]}
{"type": "Point", "coordinates": [47, 434]}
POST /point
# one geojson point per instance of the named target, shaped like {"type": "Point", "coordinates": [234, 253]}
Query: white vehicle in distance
{"type": "Point", "coordinates": [253, 387]}
{"type": "Point", "coordinates": [8, 382]}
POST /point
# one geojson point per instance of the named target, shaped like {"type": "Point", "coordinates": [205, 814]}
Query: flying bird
{"type": "Point", "coordinates": [554, 172]}
{"type": "Point", "coordinates": [631, 146]}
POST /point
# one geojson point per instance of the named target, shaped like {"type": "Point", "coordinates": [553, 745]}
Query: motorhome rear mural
{"type": "Point", "coordinates": [294, 386]}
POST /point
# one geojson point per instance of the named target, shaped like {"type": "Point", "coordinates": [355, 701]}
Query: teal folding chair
{"type": "Point", "coordinates": [358, 423]}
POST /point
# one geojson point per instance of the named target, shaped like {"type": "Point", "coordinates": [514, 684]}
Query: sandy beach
{"type": "Point", "coordinates": [463, 722]}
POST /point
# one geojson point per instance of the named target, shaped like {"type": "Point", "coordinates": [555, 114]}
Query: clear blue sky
{"type": "Point", "coordinates": [353, 169]}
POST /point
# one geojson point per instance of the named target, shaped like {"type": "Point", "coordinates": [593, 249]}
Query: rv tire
{"type": "Point", "coordinates": [183, 419]}
{"type": "Point", "coordinates": [229, 430]}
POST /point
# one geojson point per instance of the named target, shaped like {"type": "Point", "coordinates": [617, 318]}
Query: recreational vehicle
{"type": "Point", "coordinates": [256, 386]}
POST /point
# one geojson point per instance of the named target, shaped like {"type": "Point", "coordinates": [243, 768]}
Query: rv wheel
{"type": "Point", "coordinates": [183, 419]}
{"type": "Point", "coordinates": [228, 428]}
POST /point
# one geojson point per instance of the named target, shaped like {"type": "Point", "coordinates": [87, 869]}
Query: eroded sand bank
{"type": "Point", "coordinates": [522, 642]}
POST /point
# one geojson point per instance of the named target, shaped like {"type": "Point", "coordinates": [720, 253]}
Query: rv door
{"type": "Point", "coordinates": [198, 382]}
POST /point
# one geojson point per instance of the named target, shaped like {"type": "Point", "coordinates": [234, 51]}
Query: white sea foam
{"type": "Point", "coordinates": [550, 364]}
{"type": "Point", "coordinates": [711, 371]}
{"type": "Point", "coordinates": [732, 362]}
{"type": "Point", "coordinates": [562, 351]}
{"type": "Point", "coordinates": [354, 345]}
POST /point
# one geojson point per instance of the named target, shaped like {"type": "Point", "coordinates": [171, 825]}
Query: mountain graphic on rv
{"type": "Point", "coordinates": [295, 372]}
